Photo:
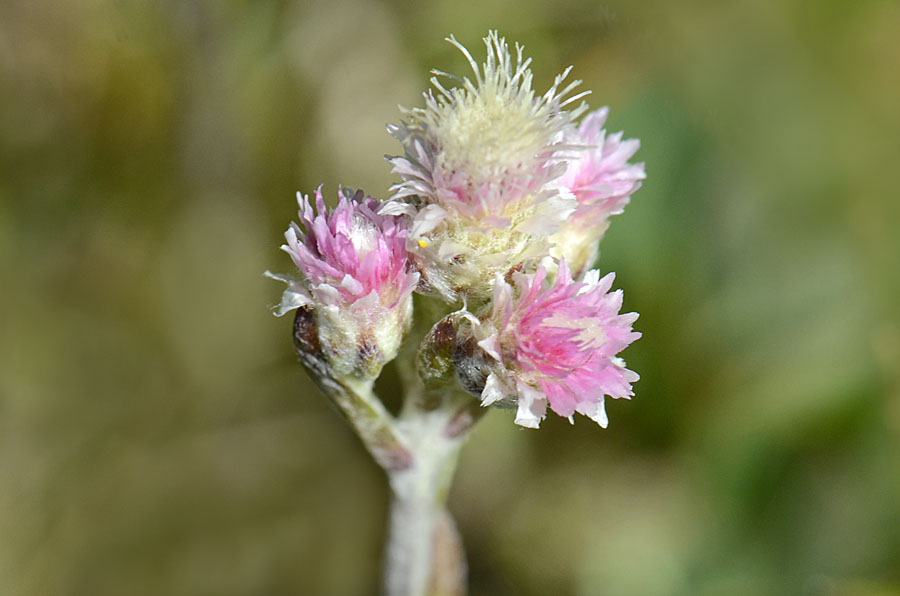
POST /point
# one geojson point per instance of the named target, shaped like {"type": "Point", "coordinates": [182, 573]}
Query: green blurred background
{"type": "Point", "coordinates": [158, 437]}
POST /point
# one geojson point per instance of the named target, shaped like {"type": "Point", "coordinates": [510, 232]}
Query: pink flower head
{"type": "Point", "coordinates": [356, 281]}
{"type": "Point", "coordinates": [557, 344]}
{"type": "Point", "coordinates": [350, 253]}
{"type": "Point", "coordinates": [600, 177]}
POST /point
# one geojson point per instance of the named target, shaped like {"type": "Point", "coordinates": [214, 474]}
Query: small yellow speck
{"type": "Point", "coordinates": [422, 242]}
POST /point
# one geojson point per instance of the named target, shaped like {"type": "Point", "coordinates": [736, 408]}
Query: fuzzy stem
{"type": "Point", "coordinates": [418, 450]}
{"type": "Point", "coordinates": [411, 548]}
{"type": "Point", "coordinates": [372, 422]}
{"type": "Point", "coordinates": [353, 396]}
{"type": "Point", "coordinates": [424, 554]}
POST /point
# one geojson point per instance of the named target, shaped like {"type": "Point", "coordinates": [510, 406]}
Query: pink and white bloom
{"type": "Point", "coordinates": [556, 344]}
{"type": "Point", "coordinates": [355, 276]}
{"type": "Point", "coordinates": [352, 252]}
{"type": "Point", "coordinates": [477, 171]}
{"type": "Point", "coordinates": [601, 178]}
{"type": "Point", "coordinates": [602, 181]}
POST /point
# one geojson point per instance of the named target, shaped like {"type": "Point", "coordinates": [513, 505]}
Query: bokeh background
{"type": "Point", "coordinates": [157, 435]}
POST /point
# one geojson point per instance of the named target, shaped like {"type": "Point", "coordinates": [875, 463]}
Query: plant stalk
{"type": "Point", "coordinates": [424, 554]}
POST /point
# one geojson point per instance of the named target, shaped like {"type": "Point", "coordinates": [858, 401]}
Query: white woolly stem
{"type": "Point", "coordinates": [424, 555]}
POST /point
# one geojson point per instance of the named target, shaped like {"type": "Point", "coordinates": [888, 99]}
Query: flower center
{"type": "Point", "coordinates": [364, 235]}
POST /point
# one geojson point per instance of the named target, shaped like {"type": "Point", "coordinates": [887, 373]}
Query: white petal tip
{"type": "Point", "coordinates": [493, 391]}
{"type": "Point", "coordinates": [528, 422]}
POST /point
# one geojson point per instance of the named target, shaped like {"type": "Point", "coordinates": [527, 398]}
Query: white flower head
{"type": "Point", "coordinates": [478, 169]}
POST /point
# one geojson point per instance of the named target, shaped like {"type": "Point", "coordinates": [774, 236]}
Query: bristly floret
{"type": "Point", "coordinates": [478, 169]}
{"type": "Point", "coordinates": [493, 143]}
{"type": "Point", "coordinates": [351, 252]}
{"type": "Point", "coordinates": [556, 344]}
{"type": "Point", "coordinates": [355, 279]}
{"type": "Point", "coordinates": [602, 180]}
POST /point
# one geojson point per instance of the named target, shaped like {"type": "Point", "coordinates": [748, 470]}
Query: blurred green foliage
{"type": "Point", "coordinates": [157, 435]}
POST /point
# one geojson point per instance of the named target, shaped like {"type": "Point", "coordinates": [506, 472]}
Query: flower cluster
{"type": "Point", "coordinates": [502, 199]}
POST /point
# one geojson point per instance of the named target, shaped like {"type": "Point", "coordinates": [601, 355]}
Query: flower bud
{"type": "Point", "coordinates": [447, 353]}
